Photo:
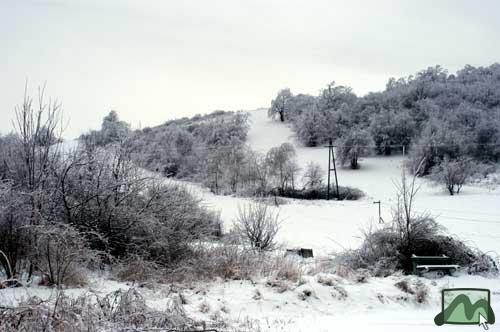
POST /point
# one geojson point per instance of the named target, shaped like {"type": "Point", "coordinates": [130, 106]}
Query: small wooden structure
{"type": "Point", "coordinates": [423, 264]}
{"type": "Point", "coordinates": [303, 252]}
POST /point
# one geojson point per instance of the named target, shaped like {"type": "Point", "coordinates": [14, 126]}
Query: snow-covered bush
{"type": "Point", "coordinates": [382, 253]}
{"type": "Point", "coordinates": [418, 289]}
{"type": "Point", "coordinates": [345, 193]}
{"type": "Point", "coordinates": [117, 311]}
{"type": "Point", "coordinates": [228, 261]}
{"type": "Point", "coordinates": [136, 269]}
{"type": "Point", "coordinates": [391, 247]}
{"type": "Point", "coordinates": [258, 226]}
{"type": "Point", "coordinates": [453, 174]}
{"type": "Point", "coordinates": [62, 255]}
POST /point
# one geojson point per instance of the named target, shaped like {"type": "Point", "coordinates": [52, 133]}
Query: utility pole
{"type": "Point", "coordinates": [380, 219]}
{"type": "Point", "coordinates": [331, 162]}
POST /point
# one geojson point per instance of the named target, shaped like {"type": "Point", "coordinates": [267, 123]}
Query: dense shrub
{"type": "Point", "coordinates": [62, 255]}
{"type": "Point", "coordinates": [345, 193]}
{"type": "Point", "coordinates": [383, 253]}
{"type": "Point", "coordinates": [391, 247]}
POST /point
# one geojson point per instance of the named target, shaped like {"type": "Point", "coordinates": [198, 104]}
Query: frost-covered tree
{"type": "Point", "coordinates": [389, 129]}
{"type": "Point", "coordinates": [112, 129]}
{"type": "Point", "coordinates": [332, 97]}
{"type": "Point", "coordinates": [436, 113]}
{"type": "Point", "coordinates": [255, 175]}
{"type": "Point", "coordinates": [282, 164]}
{"type": "Point", "coordinates": [353, 146]}
{"type": "Point", "coordinates": [313, 175]}
{"type": "Point", "coordinates": [337, 123]}
{"type": "Point", "coordinates": [300, 104]}
{"type": "Point", "coordinates": [436, 142]}
{"type": "Point", "coordinates": [308, 127]}
{"type": "Point", "coordinates": [486, 139]}
{"type": "Point", "coordinates": [280, 106]}
{"type": "Point", "coordinates": [234, 159]}
{"type": "Point", "coordinates": [453, 174]}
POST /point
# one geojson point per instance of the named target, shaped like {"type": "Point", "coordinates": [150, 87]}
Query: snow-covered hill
{"type": "Point", "coordinates": [328, 226]}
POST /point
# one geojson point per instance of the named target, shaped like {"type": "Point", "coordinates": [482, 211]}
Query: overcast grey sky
{"type": "Point", "coordinates": [156, 60]}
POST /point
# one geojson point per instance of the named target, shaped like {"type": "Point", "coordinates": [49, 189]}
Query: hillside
{"type": "Point", "coordinates": [331, 226]}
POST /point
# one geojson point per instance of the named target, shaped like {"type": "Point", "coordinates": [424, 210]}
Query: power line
{"type": "Point", "coordinates": [331, 162]}
{"type": "Point", "coordinates": [468, 212]}
{"type": "Point", "coordinates": [470, 220]}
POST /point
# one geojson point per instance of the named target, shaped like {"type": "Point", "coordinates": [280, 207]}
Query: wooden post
{"type": "Point", "coordinates": [380, 219]}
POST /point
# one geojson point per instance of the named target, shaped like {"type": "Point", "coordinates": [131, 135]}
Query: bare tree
{"type": "Point", "coordinates": [452, 173]}
{"type": "Point", "coordinates": [258, 226]}
{"type": "Point", "coordinates": [411, 228]}
{"type": "Point", "coordinates": [36, 129]}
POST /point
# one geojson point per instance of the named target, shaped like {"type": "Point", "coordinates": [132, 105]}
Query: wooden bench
{"type": "Point", "coordinates": [424, 264]}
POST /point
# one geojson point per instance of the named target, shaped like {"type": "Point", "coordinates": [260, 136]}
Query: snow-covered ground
{"type": "Point", "coordinates": [328, 226]}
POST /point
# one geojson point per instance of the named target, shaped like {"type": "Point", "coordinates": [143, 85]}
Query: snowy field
{"type": "Point", "coordinates": [329, 226]}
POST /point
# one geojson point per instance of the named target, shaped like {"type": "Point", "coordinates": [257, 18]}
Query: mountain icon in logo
{"type": "Point", "coordinates": [467, 306]}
